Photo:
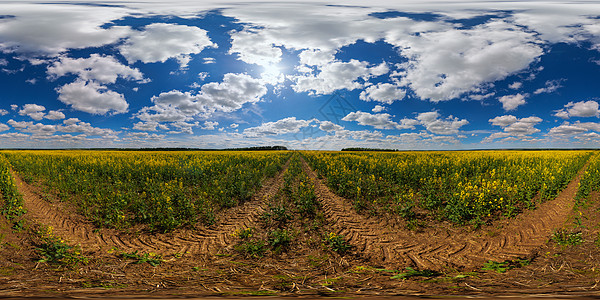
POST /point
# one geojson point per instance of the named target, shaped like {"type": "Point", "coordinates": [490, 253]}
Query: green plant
{"type": "Point", "coordinates": [276, 213]}
{"type": "Point", "coordinates": [280, 238]}
{"type": "Point", "coordinates": [251, 248]}
{"type": "Point", "coordinates": [410, 272]}
{"type": "Point", "coordinates": [245, 233]}
{"type": "Point", "coordinates": [150, 258]}
{"type": "Point", "coordinates": [337, 243]}
{"type": "Point", "coordinates": [501, 267]}
{"type": "Point", "coordinates": [54, 250]}
{"type": "Point", "coordinates": [564, 237]}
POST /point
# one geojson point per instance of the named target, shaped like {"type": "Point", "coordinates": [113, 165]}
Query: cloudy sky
{"type": "Point", "coordinates": [306, 74]}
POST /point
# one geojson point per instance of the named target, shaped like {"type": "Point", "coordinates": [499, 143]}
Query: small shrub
{"type": "Point", "coordinates": [251, 248]}
{"type": "Point", "coordinates": [564, 237]}
{"type": "Point", "coordinates": [54, 250]}
{"type": "Point", "coordinates": [150, 258]}
{"type": "Point", "coordinates": [337, 243]}
{"type": "Point", "coordinates": [410, 272]}
{"type": "Point", "coordinates": [280, 238]}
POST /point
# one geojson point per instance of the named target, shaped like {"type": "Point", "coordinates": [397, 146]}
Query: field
{"type": "Point", "coordinates": [299, 223]}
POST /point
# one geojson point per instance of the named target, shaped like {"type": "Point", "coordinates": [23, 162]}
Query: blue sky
{"type": "Point", "coordinates": [403, 75]}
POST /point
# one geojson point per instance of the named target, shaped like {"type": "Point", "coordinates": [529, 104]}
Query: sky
{"type": "Point", "coordinates": [407, 75]}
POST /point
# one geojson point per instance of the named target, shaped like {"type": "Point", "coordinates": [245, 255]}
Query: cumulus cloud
{"type": "Point", "coordinates": [316, 57]}
{"type": "Point", "coordinates": [579, 109]}
{"type": "Point", "coordinates": [337, 75]}
{"type": "Point", "coordinates": [229, 95]}
{"type": "Point", "coordinates": [100, 68]}
{"type": "Point", "coordinates": [92, 98]}
{"type": "Point", "coordinates": [511, 102]}
{"type": "Point", "coordinates": [513, 127]}
{"type": "Point", "coordinates": [378, 108]}
{"type": "Point", "coordinates": [149, 126]}
{"type": "Point", "coordinates": [55, 115]}
{"type": "Point", "coordinates": [34, 128]}
{"type": "Point", "coordinates": [74, 125]}
{"type": "Point", "coordinates": [52, 28]}
{"type": "Point", "coordinates": [33, 111]}
{"type": "Point", "coordinates": [210, 125]}
{"type": "Point", "coordinates": [433, 123]}
{"type": "Point", "coordinates": [4, 127]}
{"type": "Point", "coordinates": [254, 48]}
{"type": "Point", "coordinates": [445, 64]}
{"type": "Point", "coordinates": [515, 85]}
{"type": "Point", "coordinates": [283, 126]}
{"type": "Point", "coordinates": [430, 120]}
{"type": "Point", "coordinates": [329, 126]}
{"type": "Point", "coordinates": [3, 112]}
{"type": "Point", "coordinates": [480, 97]}
{"type": "Point", "coordinates": [379, 121]}
{"type": "Point", "coordinates": [159, 42]}
{"type": "Point", "coordinates": [550, 87]}
{"type": "Point", "coordinates": [382, 92]}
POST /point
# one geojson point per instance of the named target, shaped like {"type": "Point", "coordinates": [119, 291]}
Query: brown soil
{"type": "Point", "coordinates": [203, 240]}
{"type": "Point", "coordinates": [445, 246]}
{"type": "Point", "coordinates": [209, 264]}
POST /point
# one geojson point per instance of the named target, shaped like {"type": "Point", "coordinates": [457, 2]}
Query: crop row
{"type": "Point", "coordinates": [164, 190]}
{"type": "Point", "coordinates": [590, 181]}
{"type": "Point", "coordinates": [457, 186]}
{"type": "Point", "coordinates": [12, 206]}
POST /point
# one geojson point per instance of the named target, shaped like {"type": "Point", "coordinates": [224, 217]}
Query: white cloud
{"type": "Point", "coordinates": [336, 75]}
{"type": "Point", "coordinates": [445, 64]}
{"type": "Point", "coordinates": [566, 129]}
{"type": "Point", "coordinates": [4, 127]}
{"type": "Point", "coordinates": [283, 126]}
{"type": "Point", "coordinates": [49, 29]}
{"type": "Point", "coordinates": [579, 109]}
{"type": "Point", "coordinates": [33, 111]}
{"type": "Point", "coordinates": [3, 112]}
{"type": "Point", "coordinates": [229, 95]}
{"type": "Point", "coordinates": [210, 125]}
{"type": "Point", "coordinates": [382, 92]}
{"type": "Point", "coordinates": [513, 128]}
{"type": "Point", "coordinates": [159, 42]}
{"type": "Point", "coordinates": [101, 68]}
{"type": "Point", "coordinates": [34, 128]}
{"type": "Point", "coordinates": [184, 127]}
{"type": "Point", "coordinates": [202, 75]}
{"type": "Point", "coordinates": [145, 126]}
{"type": "Point", "coordinates": [379, 121]}
{"type": "Point", "coordinates": [14, 107]}
{"type": "Point", "coordinates": [254, 48]}
{"type": "Point", "coordinates": [92, 98]}
{"type": "Point", "coordinates": [551, 86]}
{"type": "Point", "coordinates": [74, 125]}
{"type": "Point", "coordinates": [515, 85]}
{"type": "Point", "coordinates": [234, 125]}
{"type": "Point", "coordinates": [146, 136]}
{"type": "Point", "coordinates": [316, 57]}
{"type": "Point", "coordinates": [480, 97]}
{"type": "Point", "coordinates": [378, 109]}
{"type": "Point", "coordinates": [511, 102]}
{"type": "Point", "coordinates": [329, 126]}
{"type": "Point", "coordinates": [433, 123]}
{"type": "Point", "coordinates": [54, 115]}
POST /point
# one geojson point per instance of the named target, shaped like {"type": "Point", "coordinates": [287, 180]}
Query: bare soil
{"type": "Point", "coordinates": [444, 246]}
{"type": "Point", "coordinates": [207, 261]}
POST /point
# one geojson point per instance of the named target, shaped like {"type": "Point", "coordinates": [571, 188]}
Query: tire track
{"type": "Point", "coordinates": [203, 240]}
{"type": "Point", "coordinates": [440, 248]}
